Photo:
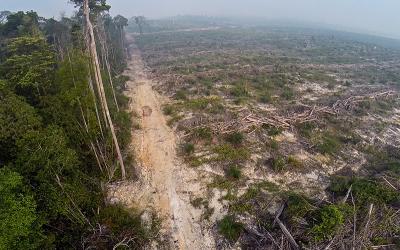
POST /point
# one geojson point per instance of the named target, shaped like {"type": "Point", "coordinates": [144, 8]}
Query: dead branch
{"type": "Point", "coordinates": [287, 234]}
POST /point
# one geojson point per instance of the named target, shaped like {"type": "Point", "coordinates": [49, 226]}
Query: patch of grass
{"type": "Point", "coordinates": [229, 228]}
{"type": "Point", "coordinates": [272, 130]}
{"type": "Point", "coordinates": [168, 109]}
{"type": "Point", "coordinates": [175, 118]}
{"type": "Point", "coordinates": [211, 104]}
{"type": "Point", "coordinates": [239, 91]}
{"type": "Point", "coordinates": [180, 95]}
{"type": "Point", "coordinates": [368, 191]}
{"type": "Point", "coordinates": [222, 183]}
{"type": "Point", "coordinates": [328, 144]}
{"type": "Point", "coordinates": [188, 148]}
{"type": "Point", "coordinates": [203, 133]}
{"type": "Point", "coordinates": [265, 98]}
{"type": "Point", "coordinates": [306, 129]}
{"type": "Point", "coordinates": [228, 153]}
{"type": "Point", "coordinates": [273, 144]}
{"type": "Point", "coordinates": [287, 93]}
{"type": "Point", "coordinates": [235, 138]}
{"type": "Point", "coordinates": [329, 219]}
{"type": "Point", "coordinates": [278, 163]}
{"type": "Point", "coordinates": [297, 206]}
{"type": "Point", "coordinates": [294, 161]}
{"type": "Point", "coordinates": [365, 191]}
{"type": "Point", "coordinates": [234, 172]}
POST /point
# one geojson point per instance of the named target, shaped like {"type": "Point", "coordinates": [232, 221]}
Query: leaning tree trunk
{"type": "Point", "coordinates": [99, 82]}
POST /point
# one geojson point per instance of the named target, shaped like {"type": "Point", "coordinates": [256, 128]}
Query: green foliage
{"type": "Point", "coordinates": [235, 138]}
{"type": "Point", "coordinates": [188, 148]}
{"type": "Point", "coordinates": [29, 67]}
{"type": "Point", "coordinates": [287, 93]}
{"type": "Point", "coordinates": [233, 172]}
{"type": "Point", "coordinates": [229, 228]}
{"type": "Point", "coordinates": [306, 129]}
{"type": "Point", "coordinates": [329, 219]}
{"type": "Point", "coordinates": [240, 91]}
{"type": "Point", "coordinates": [368, 191]}
{"type": "Point", "coordinates": [16, 119]}
{"type": "Point", "coordinates": [272, 130]}
{"type": "Point", "coordinates": [278, 163]}
{"type": "Point", "coordinates": [298, 206]}
{"type": "Point", "coordinates": [180, 95]}
{"type": "Point", "coordinates": [265, 98]}
{"type": "Point", "coordinates": [226, 152]}
{"type": "Point", "coordinates": [20, 225]}
{"type": "Point", "coordinates": [168, 110]}
{"type": "Point", "coordinates": [365, 191]}
{"type": "Point", "coordinates": [328, 144]}
{"type": "Point", "coordinates": [203, 133]}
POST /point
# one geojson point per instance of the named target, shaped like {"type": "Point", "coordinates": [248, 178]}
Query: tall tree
{"type": "Point", "coordinates": [99, 82]}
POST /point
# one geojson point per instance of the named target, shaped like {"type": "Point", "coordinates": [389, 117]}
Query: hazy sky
{"type": "Point", "coordinates": [373, 16]}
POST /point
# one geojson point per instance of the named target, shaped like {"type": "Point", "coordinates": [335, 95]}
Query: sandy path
{"type": "Point", "coordinates": [165, 184]}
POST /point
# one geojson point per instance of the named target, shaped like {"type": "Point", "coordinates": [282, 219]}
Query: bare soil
{"type": "Point", "coordinates": [165, 185]}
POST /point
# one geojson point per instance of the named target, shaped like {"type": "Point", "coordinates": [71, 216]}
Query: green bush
{"type": "Point", "coordinates": [235, 138]}
{"type": "Point", "coordinates": [278, 163]}
{"type": "Point", "coordinates": [188, 148]}
{"type": "Point", "coordinates": [294, 161]}
{"type": "Point", "coordinates": [228, 153]}
{"type": "Point", "coordinates": [329, 219]}
{"type": "Point", "coordinates": [234, 172]}
{"type": "Point", "coordinates": [368, 191]}
{"type": "Point", "coordinates": [365, 191]}
{"type": "Point", "coordinates": [168, 110]}
{"type": "Point", "coordinates": [328, 144]}
{"type": "Point", "coordinates": [180, 95]}
{"type": "Point", "coordinates": [265, 98]}
{"type": "Point", "coordinates": [204, 133]}
{"type": "Point", "coordinates": [229, 228]}
{"type": "Point", "coordinates": [272, 130]}
{"type": "Point", "coordinates": [305, 129]}
{"type": "Point", "coordinates": [287, 93]}
{"type": "Point", "coordinates": [240, 91]}
{"type": "Point", "coordinates": [297, 206]}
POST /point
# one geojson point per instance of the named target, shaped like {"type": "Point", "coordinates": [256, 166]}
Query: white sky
{"type": "Point", "coordinates": [373, 16]}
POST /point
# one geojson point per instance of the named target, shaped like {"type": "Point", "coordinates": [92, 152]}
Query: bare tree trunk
{"type": "Point", "coordinates": [103, 40]}
{"type": "Point", "coordinates": [99, 79]}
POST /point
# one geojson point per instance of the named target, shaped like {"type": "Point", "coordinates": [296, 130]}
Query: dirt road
{"type": "Point", "coordinates": [165, 184]}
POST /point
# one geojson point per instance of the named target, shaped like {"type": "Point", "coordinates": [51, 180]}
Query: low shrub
{"type": "Point", "coordinates": [168, 110]}
{"type": "Point", "coordinates": [228, 153]}
{"type": "Point", "coordinates": [229, 228]}
{"type": "Point", "coordinates": [233, 172]}
{"type": "Point", "coordinates": [180, 95]}
{"type": "Point", "coordinates": [297, 206]}
{"type": "Point", "coordinates": [278, 163]}
{"type": "Point", "coordinates": [239, 91]}
{"type": "Point", "coordinates": [272, 130]}
{"type": "Point", "coordinates": [328, 144]}
{"type": "Point", "coordinates": [203, 133]}
{"type": "Point", "coordinates": [328, 221]}
{"type": "Point", "coordinates": [294, 161]}
{"type": "Point", "coordinates": [188, 148]}
{"type": "Point", "coordinates": [235, 138]}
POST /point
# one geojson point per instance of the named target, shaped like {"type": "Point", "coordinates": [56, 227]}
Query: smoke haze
{"type": "Point", "coordinates": [380, 17]}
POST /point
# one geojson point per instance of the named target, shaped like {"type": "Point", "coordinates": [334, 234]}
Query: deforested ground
{"type": "Point", "coordinates": [266, 138]}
